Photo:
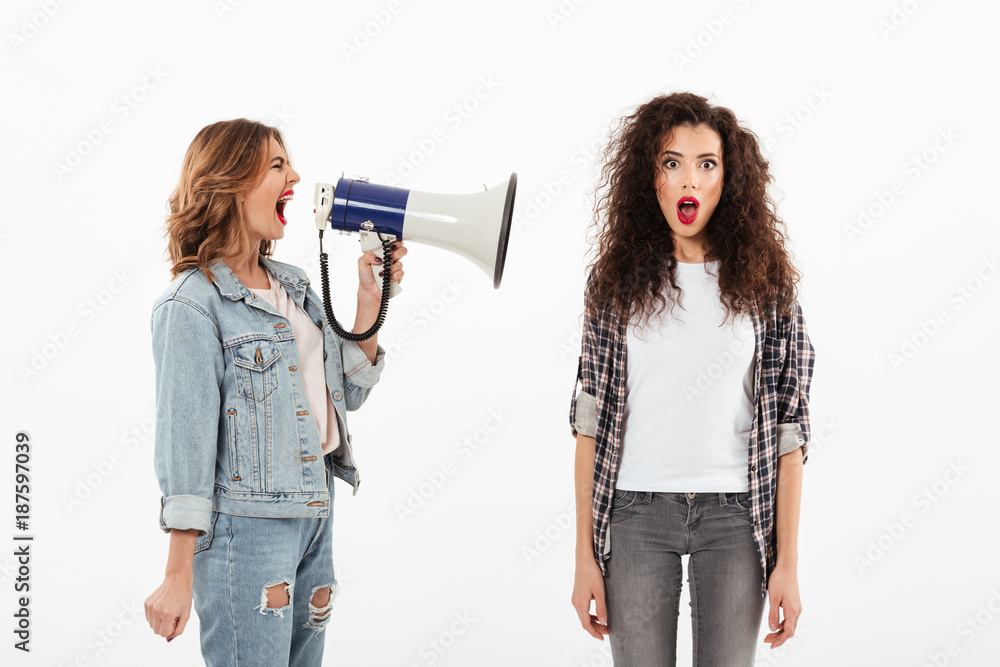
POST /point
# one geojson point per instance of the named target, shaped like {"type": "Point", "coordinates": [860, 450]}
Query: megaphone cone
{"type": "Point", "coordinates": [475, 226]}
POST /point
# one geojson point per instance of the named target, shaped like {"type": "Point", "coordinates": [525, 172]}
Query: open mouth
{"type": "Point", "coordinates": [280, 206]}
{"type": "Point", "coordinates": [687, 209]}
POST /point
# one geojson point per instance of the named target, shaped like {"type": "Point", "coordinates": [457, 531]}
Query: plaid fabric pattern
{"type": "Point", "coordinates": [784, 358]}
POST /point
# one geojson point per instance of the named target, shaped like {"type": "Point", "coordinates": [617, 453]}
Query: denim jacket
{"type": "Point", "coordinates": [234, 431]}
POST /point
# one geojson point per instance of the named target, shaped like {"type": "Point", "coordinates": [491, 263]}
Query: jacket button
{"type": "Point", "coordinates": [337, 396]}
{"type": "Point", "coordinates": [324, 356]}
{"type": "Point", "coordinates": [753, 468]}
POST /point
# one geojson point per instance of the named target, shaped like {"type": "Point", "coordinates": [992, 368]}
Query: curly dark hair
{"type": "Point", "coordinates": [634, 254]}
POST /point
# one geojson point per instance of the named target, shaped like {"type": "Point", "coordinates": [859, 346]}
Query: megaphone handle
{"type": "Point", "coordinates": [370, 243]}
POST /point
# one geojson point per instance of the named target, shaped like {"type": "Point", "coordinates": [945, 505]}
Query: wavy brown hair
{"type": "Point", "coordinates": [634, 255]}
{"type": "Point", "coordinates": [206, 220]}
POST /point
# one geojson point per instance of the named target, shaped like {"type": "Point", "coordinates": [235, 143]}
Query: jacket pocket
{"type": "Point", "coordinates": [256, 369]}
{"type": "Point", "coordinates": [234, 460]}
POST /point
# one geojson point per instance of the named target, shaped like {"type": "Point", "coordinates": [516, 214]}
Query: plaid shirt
{"type": "Point", "coordinates": [784, 359]}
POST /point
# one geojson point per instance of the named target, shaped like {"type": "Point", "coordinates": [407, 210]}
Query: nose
{"type": "Point", "coordinates": [293, 177]}
{"type": "Point", "coordinates": [690, 181]}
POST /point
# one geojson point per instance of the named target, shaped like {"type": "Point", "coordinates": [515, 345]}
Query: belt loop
{"type": "Point", "coordinates": [722, 499]}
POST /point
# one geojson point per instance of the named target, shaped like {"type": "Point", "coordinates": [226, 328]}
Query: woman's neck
{"type": "Point", "coordinates": [251, 274]}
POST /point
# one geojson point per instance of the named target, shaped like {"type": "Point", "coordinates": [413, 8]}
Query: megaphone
{"type": "Point", "coordinates": [475, 226]}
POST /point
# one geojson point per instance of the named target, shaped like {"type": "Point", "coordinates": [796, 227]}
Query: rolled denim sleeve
{"type": "Point", "coordinates": [189, 363]}
{"type": "Point", "coordinates": [360, 374]}
{"type": "Point", "coordinates": [793, 386]}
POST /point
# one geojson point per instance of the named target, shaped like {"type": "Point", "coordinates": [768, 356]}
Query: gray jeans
{"type": "Point", "coordinates": [649, 532]}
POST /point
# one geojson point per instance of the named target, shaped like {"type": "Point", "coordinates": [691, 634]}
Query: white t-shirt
{"type": "Point", "coordinates": [689, 394]}
{"type": "Point", "coordinates": [309, 341]}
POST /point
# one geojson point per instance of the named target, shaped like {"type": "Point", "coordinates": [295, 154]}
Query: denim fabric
{"type": "Point", "coordinates": [233, 429]}
{"type": "Point", "coordinates": [650, 531]}
{"type": "Point", "coordinates": [235, 561]}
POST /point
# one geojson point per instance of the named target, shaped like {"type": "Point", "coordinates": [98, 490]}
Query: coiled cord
{"type": "Point", "coordinates": [383, 306]}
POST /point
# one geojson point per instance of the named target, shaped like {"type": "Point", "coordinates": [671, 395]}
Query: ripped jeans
{"type": "Point", "coordinates": [240, 563]}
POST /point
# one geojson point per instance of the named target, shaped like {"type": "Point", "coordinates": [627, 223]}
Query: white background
{"type": "Point", "coordinates": [848, 96]}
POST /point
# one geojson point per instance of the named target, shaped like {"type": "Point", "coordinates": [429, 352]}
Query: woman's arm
{"type": "Point", "coordinates": [370, 295]}
{"type": "Point", "coordinates": [783, 585]}
{"type": "Point", "coordinates": [787, 503]}
{"type": "Point", "coordinates": [190, 368]}
{"type": "Point", "coordinates": [364, 318]}
{"type": "Point", "coordinates": [169, 607]}
{"type": "Point", "coordinates": [793, 435]}
{"type": "Point", "coordinates": [584, 484]}
{"type": "Point", "coordinates": [588, 582]}
{"type": "Point", "coordinates": [363, 361]}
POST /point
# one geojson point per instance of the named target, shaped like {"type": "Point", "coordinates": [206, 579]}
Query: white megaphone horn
{"type": "Point", "coordinates": [476, 226]}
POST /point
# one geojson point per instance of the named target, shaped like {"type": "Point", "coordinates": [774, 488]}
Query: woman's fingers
{"type": "Point", "coordinates": [154, 610]}
{"type": "Point", "coordinates": [181, 622]}
{"type": "Point", "coordinates": [595, 625]}
{"type": "Point", "coordinates": [602, 612]}
{"type": "Point", "coordinates": [165, 620]}
{"type": "Point", "coordinates": [585, 620]}
{"type": "Point", "coordinates": [396, 267]}
{"type": "Point", "coordinates": [168, 608]}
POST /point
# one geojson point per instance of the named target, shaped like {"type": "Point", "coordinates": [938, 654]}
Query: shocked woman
{"type": "Point", "coordinates": [692, 428]}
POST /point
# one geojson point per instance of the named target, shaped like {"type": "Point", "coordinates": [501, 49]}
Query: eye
{"type": "Point", "coordinates": [669, 162]}
{"type": "Point", "coordinates": [709, 162]}
{"type": "Point", "coordinates": [277, 166]}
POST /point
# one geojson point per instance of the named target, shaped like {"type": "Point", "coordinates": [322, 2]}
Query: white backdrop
{"type": "Point", "coordinates": [876, 119]}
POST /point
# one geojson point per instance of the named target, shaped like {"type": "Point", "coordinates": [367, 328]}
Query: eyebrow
{"type": "Point", "coordinates": [682, 155]}
{"type": "Point", "coordinates": [278, 157]}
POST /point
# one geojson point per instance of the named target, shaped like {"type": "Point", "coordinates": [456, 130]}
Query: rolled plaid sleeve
{"type": "Point", "coordinates": [583, 407]}
{"type": "Point", "coordinates": [793, 386]}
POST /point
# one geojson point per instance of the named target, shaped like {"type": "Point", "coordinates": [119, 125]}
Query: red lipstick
{"type": "Point", "coordinates": [687, 210]}
{"type": "Point", "coordinates": [279, 208]}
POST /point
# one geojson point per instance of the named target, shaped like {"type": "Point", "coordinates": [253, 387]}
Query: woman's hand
{"type": "Point", "coordinates": [370, 290]}
{"type": "Point", "coordinates": [169, 607]}
{"type": "Point", "coordinates": [783, 592]}
{"type": "Point", "coordinates": [588, 584]}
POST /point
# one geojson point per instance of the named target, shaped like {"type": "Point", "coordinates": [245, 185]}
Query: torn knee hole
{"type": "Point", "coordinates": [276, 598]}
{"type": "Point", "coordinates": [321, 605]}
{"type": "Point", "coordinates": [277, 595]}
{"type": "Point", "coordinates": [321, 597]}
